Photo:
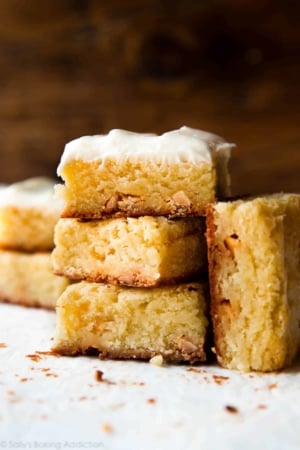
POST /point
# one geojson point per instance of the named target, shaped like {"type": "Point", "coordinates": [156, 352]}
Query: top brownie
{"type": "Point", "coordinates": [126, 174]}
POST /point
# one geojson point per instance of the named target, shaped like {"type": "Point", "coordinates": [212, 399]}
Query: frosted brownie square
{"type": "Point", "coordinates": [130, 174]}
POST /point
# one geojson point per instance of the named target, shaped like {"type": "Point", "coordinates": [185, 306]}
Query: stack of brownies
{"type": "Point", "coordinates": [28, 214]}
{"type": "Point", "coordinates": [132, 232]}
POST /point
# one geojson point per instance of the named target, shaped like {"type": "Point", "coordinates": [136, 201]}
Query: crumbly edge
{"type": "Point", "coordinates": [37, 225]}
{"type": "Point", "coordinates": [214, 258]}
{"type": "Point", "coordinates": [27, 303]}
{"type": "Point", "coordinates": [210, 233]}
{"type": "Point", "coordinates": [175, 355]}
{"type": "Point", "coordinates": [134, 211]}
{"type": "Point", "coordinates": [28, 250]}
{"type": "Point", "coordinates": [130, 279]}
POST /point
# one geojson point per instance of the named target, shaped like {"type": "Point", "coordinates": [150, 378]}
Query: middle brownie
{"type": "Point", "coordinates": [144, 252]}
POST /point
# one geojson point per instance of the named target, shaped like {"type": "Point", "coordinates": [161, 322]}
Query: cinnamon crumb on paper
{"type": "Point", "coordinates": [132, 383]}
{"type": "Point", "coordinates": [34, 357]}
{"type": "Point", "coordinates": [220, 379]}
{"type": "Point", "coordinates": [48, 353]}
{"type": "Point", "coordinates": [51, 374]}
{"type": "Point", "coordinates": [231, 409]}
{"type": "Point", "coordinates": [193, 369]}
{"type": "Point", "coordinates": [99, 375]}
{"type": "Point", "coordinates": [106, 428]}
{"type": "Point", "coordinates": [37, 355]}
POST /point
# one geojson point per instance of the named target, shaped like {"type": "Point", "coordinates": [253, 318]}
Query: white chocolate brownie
{"type": "Point", "coordinates": [133, 323]}
{"type": "Point", "coordinates": [254, 271]}
{"type": "Point", "coordinates": [28, 214]}
{"type": "Point", "coordinates": [130, 174]}
{"type": "Point", "coordinates": [144, 251]}
{"type": "Point", "coordinates": [28, 279]}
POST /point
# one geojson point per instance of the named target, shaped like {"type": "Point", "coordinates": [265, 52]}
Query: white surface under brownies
{"type": "Point", "coordinates": [56, 402]}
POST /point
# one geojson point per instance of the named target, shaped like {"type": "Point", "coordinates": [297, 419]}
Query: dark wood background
{"type": "Point", "coordinates": [75, 67]}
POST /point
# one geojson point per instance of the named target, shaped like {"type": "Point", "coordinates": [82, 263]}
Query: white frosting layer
{"type": "Point", "coordinates": [184, 144]}
{"type": "Point", "coordinates": [33, 192]}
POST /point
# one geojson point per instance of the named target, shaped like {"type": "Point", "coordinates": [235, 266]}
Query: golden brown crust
{"type": "Point", "coordinates": [191, 355]}
{"type": "Point", "coordinates": [136, 208]}
{"type": "Point", "coordinates": [213, 254]}
{"type": "Point", "coordinates": [175, 213]}
{"type": "Point", "coordinates": [25, 303]}
{"type": "Point", "coordinates": [33, 249]}
{"type": "Point", "coordinates": [131, 279]}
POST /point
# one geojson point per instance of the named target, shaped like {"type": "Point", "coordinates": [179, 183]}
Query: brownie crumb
{"type": "Point", "coordinates": [48, 353]}
{"type": "Point", "coordinates": [117, 406]}
{"type": "Point", "coordinates": [133, 383]}
{"type": "Point", "coordinates": [231, 409]}
{"type": "Point", "coordinates": [50, 374]}
{"type": "Point", "coordinates": [106, 428]}
{"type": "Point", "coordinates": [193, 369]}
{"type": "Point", "coordinates": [220, 379]}
{"type": "Point", "coordinates": [37, 356]}
{"type": "Point", "coordinates": [261, 406]}
{"type": "Point", "coordinates": [99, 375]}
{"type": "Point", "coordinates": [34, 357]}
{"type": "Point", "coordinates": [157, 360]}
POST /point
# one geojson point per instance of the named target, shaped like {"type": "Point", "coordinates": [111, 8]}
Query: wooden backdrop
{"type": "Point", "coordinates": [75, 67]}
